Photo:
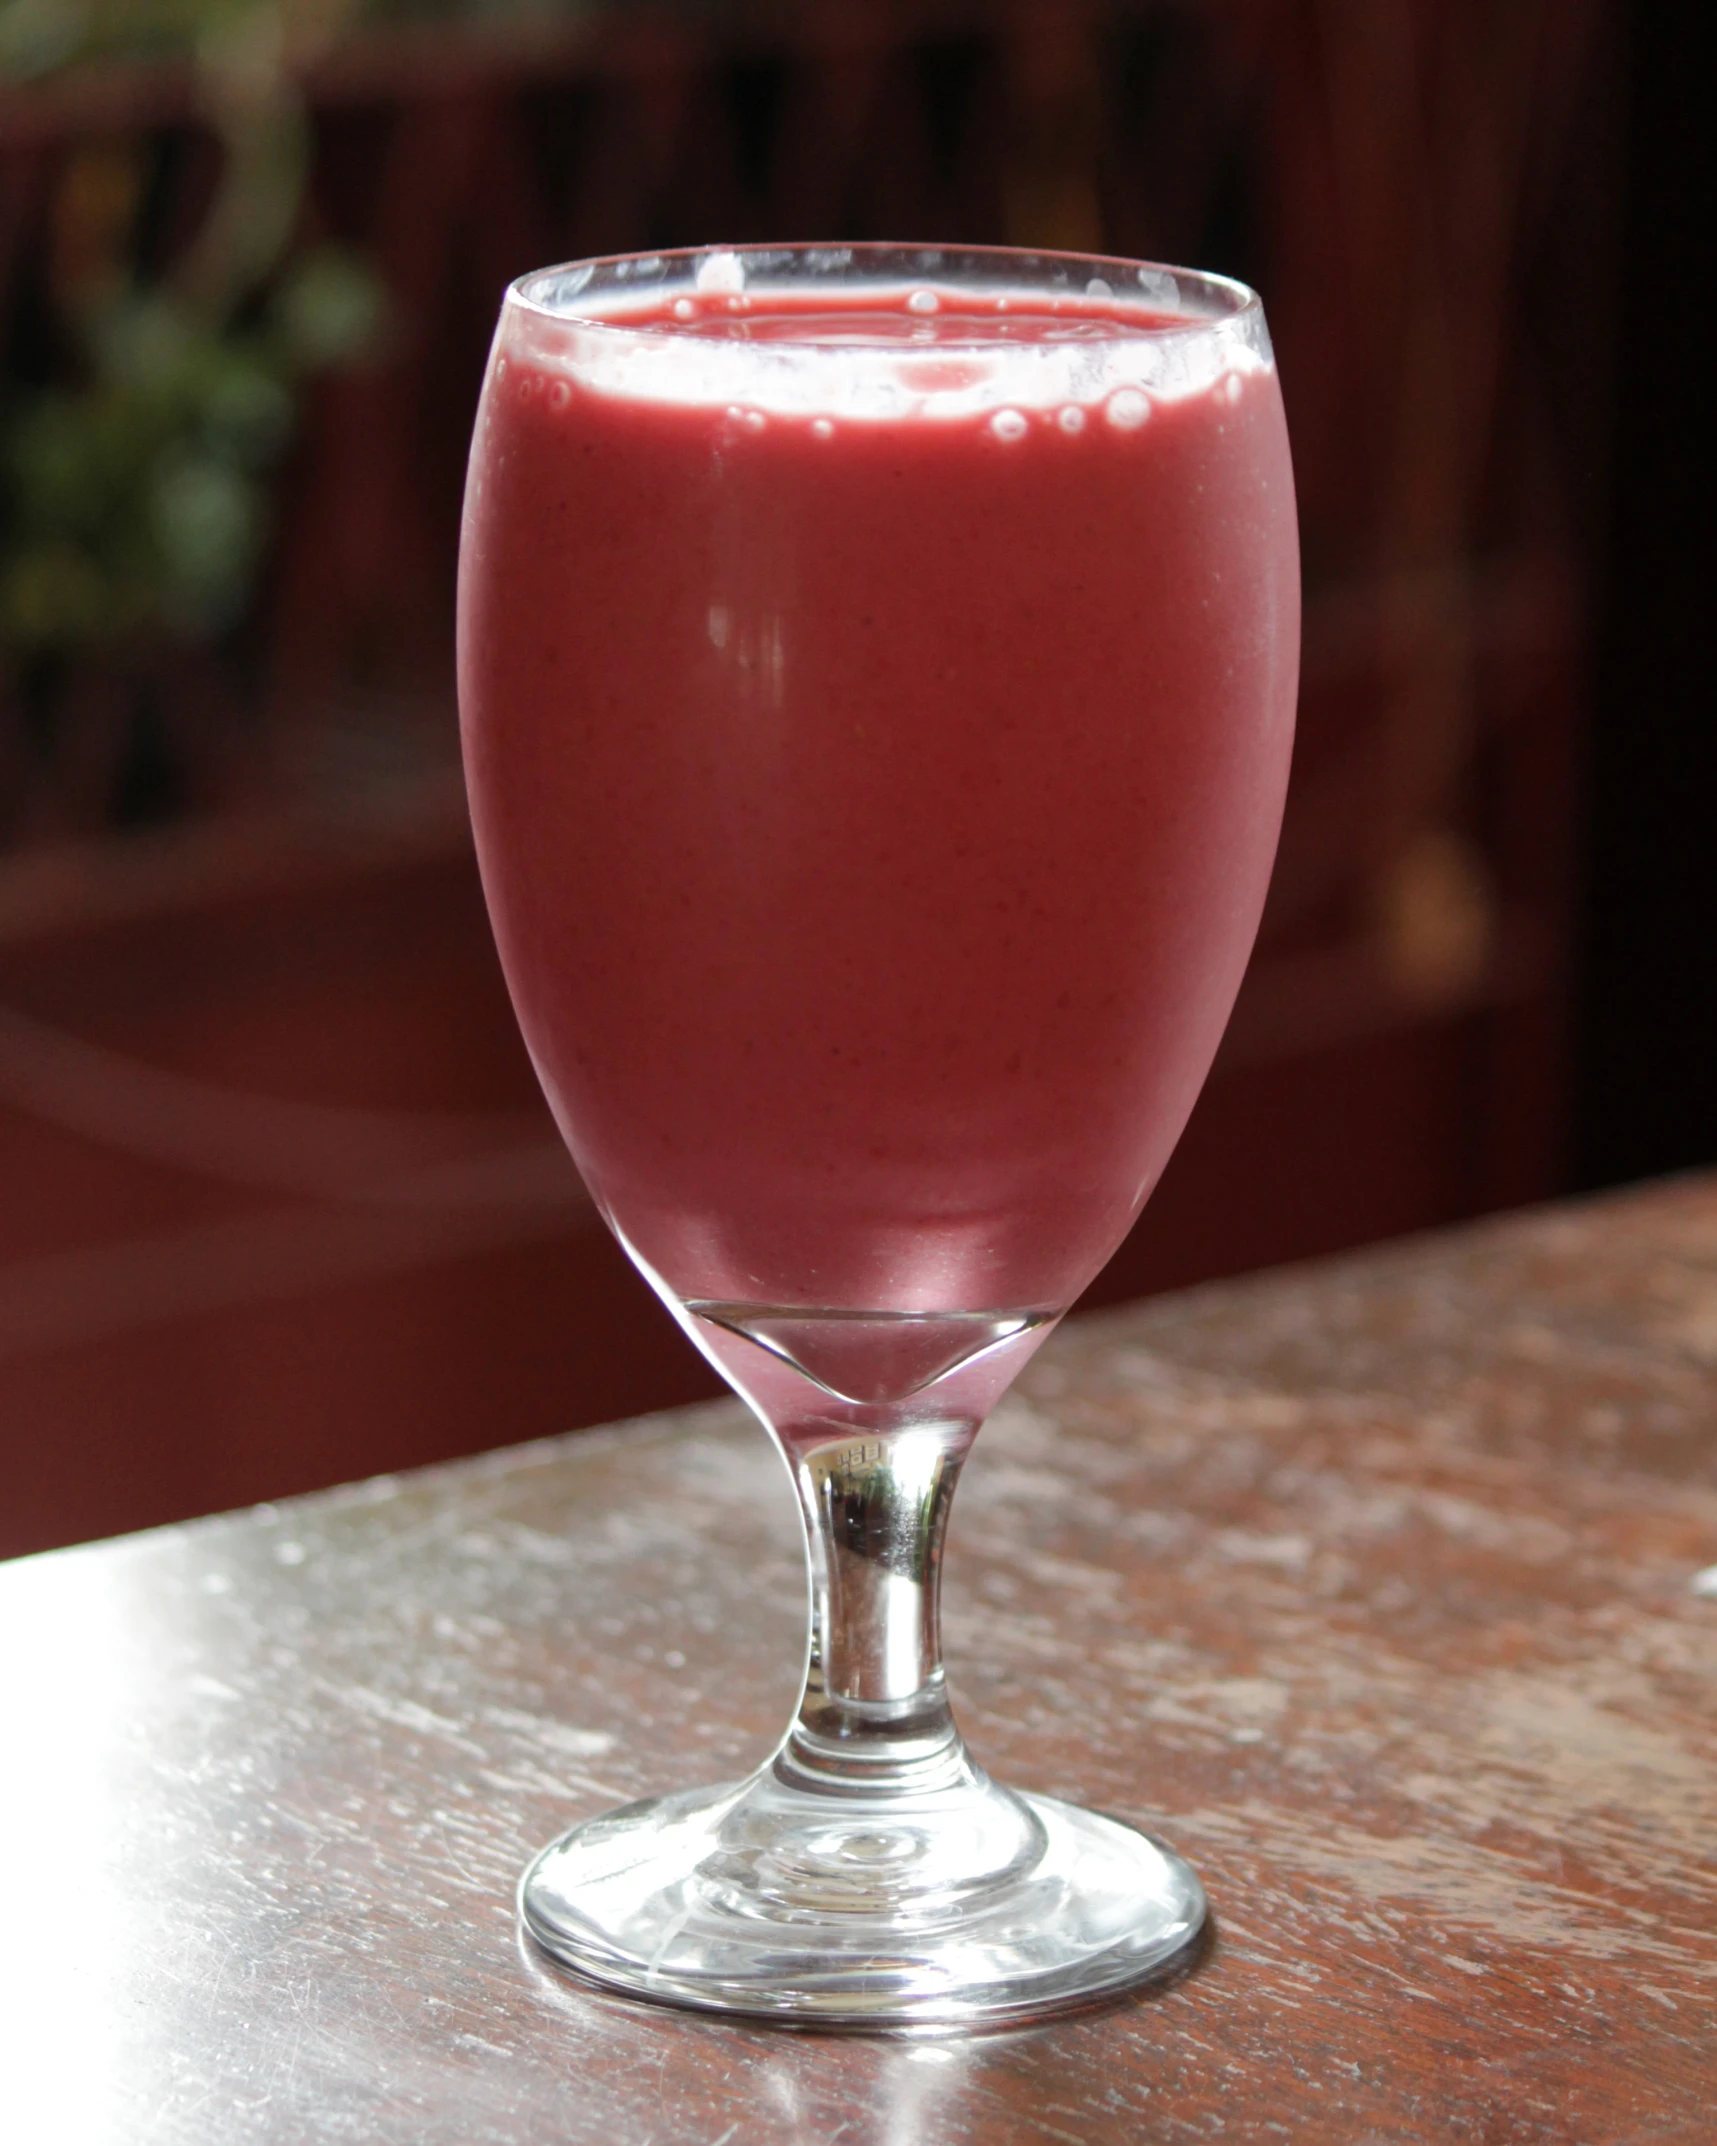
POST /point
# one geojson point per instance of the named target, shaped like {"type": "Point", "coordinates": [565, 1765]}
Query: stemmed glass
{"type": "Point", "coordinates": [877, 672]}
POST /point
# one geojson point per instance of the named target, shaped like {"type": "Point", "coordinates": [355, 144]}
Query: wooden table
{"type": "Point", "coordinates": [1375, 1586]}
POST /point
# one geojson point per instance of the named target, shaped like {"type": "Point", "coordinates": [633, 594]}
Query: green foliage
{"type": "Point", "coordinates": [135, 503]}
{"type": "Point", "coordinates": [138, 503]}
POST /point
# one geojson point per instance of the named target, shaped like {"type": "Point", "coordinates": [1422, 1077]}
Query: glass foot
{"type": "Point", "coordinates": [963, 1907]}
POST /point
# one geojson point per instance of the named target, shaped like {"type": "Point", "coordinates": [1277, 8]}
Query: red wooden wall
{"type": "Point", "coordinates": [280, 1205]}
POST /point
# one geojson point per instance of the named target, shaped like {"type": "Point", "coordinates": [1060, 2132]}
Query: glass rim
{"type": "Point", "coordinates": [1151, 285]}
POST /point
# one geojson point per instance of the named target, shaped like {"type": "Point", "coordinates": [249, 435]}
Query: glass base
{"type": "Point", "coordinates": [964, 1907]}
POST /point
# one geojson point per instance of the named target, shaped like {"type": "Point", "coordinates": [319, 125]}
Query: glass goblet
{"type": "Point", "coordinates": [877, 674]}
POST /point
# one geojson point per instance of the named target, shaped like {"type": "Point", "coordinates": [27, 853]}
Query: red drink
{"type": "Point", "coordinates": [875, 790]}
{"type": "Point", "coordinates": [877, 701]}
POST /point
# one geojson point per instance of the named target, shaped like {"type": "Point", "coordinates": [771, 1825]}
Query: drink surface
{"type": "Point", "coordinates": [875, 788]}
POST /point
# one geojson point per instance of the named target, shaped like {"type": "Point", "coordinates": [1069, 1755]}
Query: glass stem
{"type": "Point", "coordinates": [874, 1717]}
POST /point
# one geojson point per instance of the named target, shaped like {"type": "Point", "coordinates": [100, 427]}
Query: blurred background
{"type": "Point", "coordinates": [279, 1205]}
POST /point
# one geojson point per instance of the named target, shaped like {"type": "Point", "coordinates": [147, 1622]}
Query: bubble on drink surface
{"type": "Point", "coordinates": [559, 395]}
{"type": "Point", "coordinates": [754, 420]}
{"type": "Point", "coordinates": [684, 309]}
{"type": "Point", "coordinates": [721, 274]}
{"type": "Point", "coordinates": [1099, 287]}
{"type": "Point", "coordinates": [1071, 418]}
{"type": "Point", "coordinates": [821, 429]}
{"type": "Point", "coordinates": [1128, 408]}
{"type": "Point", "coordinates": [1231, 387]}
{"type": "Point", "coordinates": [1008, 425]}
{"type": "Point", "coordinates": [923, 301]}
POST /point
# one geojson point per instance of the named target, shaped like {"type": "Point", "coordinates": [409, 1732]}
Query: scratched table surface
{"type": "Point", "coordinates": [1375, 1586]}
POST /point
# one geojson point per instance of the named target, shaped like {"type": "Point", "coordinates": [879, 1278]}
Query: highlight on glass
{"type": "Point", "coordinates": [877, 674]}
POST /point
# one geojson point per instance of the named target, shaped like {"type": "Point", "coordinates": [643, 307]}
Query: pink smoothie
{"type": "Point", "coordinates": [875, 811]}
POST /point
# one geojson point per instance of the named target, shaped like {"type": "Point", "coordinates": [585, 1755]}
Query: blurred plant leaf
{"type": "Point", "coordinates": [136, 504]}
{"type": "Point", "coordinates": [328, 309]}
{"type": "Point", "coordinates": [207, 518]}
{"type": "Point", "coordinates": [37, 36]}
{"type": "Point", "coordinates": [139, 503]}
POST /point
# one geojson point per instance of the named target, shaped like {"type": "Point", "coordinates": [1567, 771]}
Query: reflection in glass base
{"type": "Point", "coordinates": [964, 1906]}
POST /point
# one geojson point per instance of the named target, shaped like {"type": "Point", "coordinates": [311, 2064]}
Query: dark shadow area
{"type": "Point", "coordinates": [1648, 1014]}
